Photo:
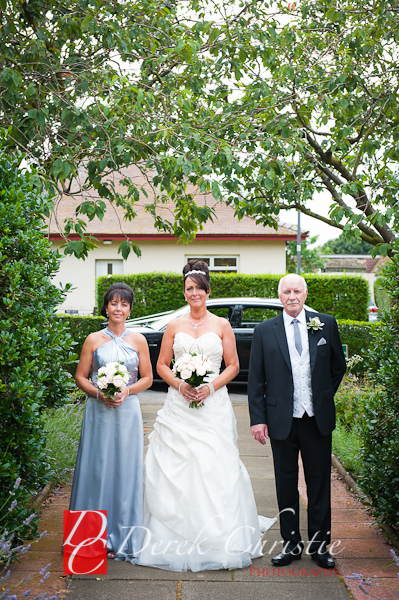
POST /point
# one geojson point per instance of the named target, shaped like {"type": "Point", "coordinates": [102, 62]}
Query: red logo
{"type": "Point", "coordinates": [85, 542]}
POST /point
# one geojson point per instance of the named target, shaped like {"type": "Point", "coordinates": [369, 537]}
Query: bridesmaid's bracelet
{"type": "Point", "coordinates": [211, 388]}
{"type": "Point", "coordinates": [181, 383]}
{"type": "Point", "coordinates": [98, 394]}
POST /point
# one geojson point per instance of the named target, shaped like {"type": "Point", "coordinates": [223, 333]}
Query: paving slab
{"type": "Point", "coordinates": [121, 590]}
{"type": "Point", "coordinates": [123, 570]}
{"type": "Point", "coordinates": [262, 589]}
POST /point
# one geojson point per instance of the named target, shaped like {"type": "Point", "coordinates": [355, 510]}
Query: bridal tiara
{"type": "Point", "coordinates": [193, 272]}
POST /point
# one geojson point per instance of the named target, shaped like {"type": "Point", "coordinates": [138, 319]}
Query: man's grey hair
{"type": "Point", "coordinates": [305, 287]}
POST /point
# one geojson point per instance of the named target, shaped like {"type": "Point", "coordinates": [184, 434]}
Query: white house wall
{"type": "Point", "coordinates": [254, 257]}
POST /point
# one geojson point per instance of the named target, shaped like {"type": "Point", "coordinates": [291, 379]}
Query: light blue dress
{"type": "Point", "coordinates": [109, 466]}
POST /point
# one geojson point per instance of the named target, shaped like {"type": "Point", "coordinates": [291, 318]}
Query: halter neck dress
{"type": "Point", "coordinates": [109, 466]}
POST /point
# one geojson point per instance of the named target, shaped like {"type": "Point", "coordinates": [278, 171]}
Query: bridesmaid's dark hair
{"type": "Point", "coordinates": [201, 279]}
{"type": "Point", "coordinates": [119, 290]}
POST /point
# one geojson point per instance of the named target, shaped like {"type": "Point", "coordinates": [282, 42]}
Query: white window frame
{"type": "Point", "coordinates": [107, 261]}
{"type": "Point", "coordinates": [211, 258]}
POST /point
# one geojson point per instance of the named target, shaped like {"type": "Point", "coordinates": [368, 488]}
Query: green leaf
{"type": "Point", "coordinates": [86, 22]}
{"type": "Point", "coordinates": [126, 247]}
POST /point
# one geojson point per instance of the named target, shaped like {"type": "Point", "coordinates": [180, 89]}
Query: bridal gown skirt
{"type": "Point", "coordinates": [200, 510]}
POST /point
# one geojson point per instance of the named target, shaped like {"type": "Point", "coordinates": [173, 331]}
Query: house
{"type": "Point", "coordinates": [353, 264]}
{"type": "Point", "coordinates": [226, 244]}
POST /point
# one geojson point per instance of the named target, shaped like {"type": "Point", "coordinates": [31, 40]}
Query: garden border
{"type": "Point", "coordinates": [41, 497]}
{"type": "Point", "coordinates": [391, 535]}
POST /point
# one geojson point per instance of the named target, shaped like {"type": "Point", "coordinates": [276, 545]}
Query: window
{"type": "Point", "coordinates": [109, 267]}
{"type": "Point", "coordinates": [220, 264]}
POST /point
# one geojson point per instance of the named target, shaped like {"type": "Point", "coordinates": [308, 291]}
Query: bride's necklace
{"type": "Point", "coordinates": [196, 325]}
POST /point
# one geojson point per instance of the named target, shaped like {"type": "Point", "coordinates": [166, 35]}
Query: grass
{"type": "Point", "coordinates": [350, 401]}
{"type": "Point", "coordinates": [63, 434]}
{"type": "Point", "coordinates": [346, 447]}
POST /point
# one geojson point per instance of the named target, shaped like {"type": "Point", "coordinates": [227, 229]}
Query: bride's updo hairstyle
{"type": "Point", "coordinates": [198, 271]}
{"type": "Point", "coordinates": [120, 291]}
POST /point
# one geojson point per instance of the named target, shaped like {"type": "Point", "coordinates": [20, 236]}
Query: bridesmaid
{"type": "Point", "coordinates": [109, 466]}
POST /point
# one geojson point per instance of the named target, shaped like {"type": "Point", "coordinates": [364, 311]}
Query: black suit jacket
{"type": "Point", "coordinates": [270, 382]}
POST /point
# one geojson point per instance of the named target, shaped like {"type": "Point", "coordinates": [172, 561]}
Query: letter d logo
{"type": "Point", "coordinates": [85, 542]}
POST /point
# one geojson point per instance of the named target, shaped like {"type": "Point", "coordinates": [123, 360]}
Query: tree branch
{"type": "Point", "coordinates": [366, 136]}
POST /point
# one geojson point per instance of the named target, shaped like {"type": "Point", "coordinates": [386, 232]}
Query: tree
{"type": "Point", "coordinates": [264, 103]}
{"type": "Point", "coordinates": [310, 257]}
{"type": "Point", "coordinates": [88, 88]}
{"type": "Point", "coordinates": [345, 244]}
{"type": "Point", "coordinates": [313, 109]}
{"type": "Point", "coordinates": [35, 346]}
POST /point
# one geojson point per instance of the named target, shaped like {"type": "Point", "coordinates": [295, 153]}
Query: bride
{"type": "Point", "coordinates": [200, 510]}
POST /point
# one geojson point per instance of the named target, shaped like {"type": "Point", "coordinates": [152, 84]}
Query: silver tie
{"type": "Point", "coordinates": [297, 335]}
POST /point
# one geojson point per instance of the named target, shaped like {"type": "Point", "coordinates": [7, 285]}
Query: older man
{"type": "Point", "coordinates": [296, 366]}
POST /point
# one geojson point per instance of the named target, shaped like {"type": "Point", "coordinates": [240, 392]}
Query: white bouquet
{"type": "Point", "coordinates": [193, 368]}
{"type": "Point", "coordinates": [112, 378]}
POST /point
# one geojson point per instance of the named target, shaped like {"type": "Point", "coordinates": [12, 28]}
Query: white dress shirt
{"type": "Point", "coordinates": [303, 400]}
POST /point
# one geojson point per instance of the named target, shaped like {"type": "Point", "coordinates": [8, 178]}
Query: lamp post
{"type": "Point", "coordinates": [298, 245]}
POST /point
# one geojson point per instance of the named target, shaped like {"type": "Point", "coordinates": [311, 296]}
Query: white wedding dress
{"type": "Point", "coordinates": [200, 510]}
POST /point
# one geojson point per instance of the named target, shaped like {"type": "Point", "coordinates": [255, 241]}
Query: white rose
{"type": "Point", "coordinates": [118, 381]}
{"type": "Point", "coordinates": [102, 383]}
{"type": "Point", "coordinates": [186, 358]}
{"type": "Point", "coordinates": [126, 377]}
{"type": "Point", "coordinates": [201, 370]}
{"type": "Point", "coordinates": [185, 374]}
{"type": "Point", "coordinates": [102, 370]}
{"type": "Point", "coordinates": [109, 378]}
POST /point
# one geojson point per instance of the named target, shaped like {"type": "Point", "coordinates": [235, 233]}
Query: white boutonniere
{"type": "Point", "coordinates": [314, 324]}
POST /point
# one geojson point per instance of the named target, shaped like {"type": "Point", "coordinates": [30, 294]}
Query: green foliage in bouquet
{"type": "Point", "coordinates": [380, 476]}
{"type": "Point", "coordinates": [35, 347]}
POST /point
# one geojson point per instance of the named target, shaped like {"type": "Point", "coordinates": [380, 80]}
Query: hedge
{"type": "Point", "coordinates": [379, 478]}
{"type": "Point", "coordinates": [358, 335]}
{"type": "Point", "coordinates": [343, 296]}
{"type": "Point", "coordinates": [79, 328]}
{"type": "Point", "coordinates": [35, 348]}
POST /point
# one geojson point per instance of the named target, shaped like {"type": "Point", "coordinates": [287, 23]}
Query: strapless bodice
{"type": "Point", "coordinates": [209, 343]}
{"type": "Point", "coordinates": [115, 350]}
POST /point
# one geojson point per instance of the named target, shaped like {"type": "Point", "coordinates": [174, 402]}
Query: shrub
{"type": "Point", "coordinates": [359, 336]}
{"type": "Point", "coordinates": [342, 296]}
{"type": "Point", "coordinates": [35, 346]}
{"type": "Point", "coordinates": [380, 450]}
{"type": "Point", "coordinates": [350, 401]}
{"type": "Point", "coordinates": [79, 328]}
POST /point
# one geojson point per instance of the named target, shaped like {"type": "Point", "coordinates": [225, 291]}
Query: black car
{"type": "Point", "coordinates": [243, 314]}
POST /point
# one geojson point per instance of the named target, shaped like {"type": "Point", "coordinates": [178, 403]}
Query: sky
{"type": "Point", "coordinates": [321, 206]}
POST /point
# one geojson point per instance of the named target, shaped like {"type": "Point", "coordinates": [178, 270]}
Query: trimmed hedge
{"type": "Point", "coordinates": [345, 297]}
{"type": "Point", "coordinates": [357, 334]}
{"type": "Point", "coordinates": [79, 328]}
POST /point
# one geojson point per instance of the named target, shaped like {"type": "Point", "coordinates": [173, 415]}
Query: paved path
{"type": "Point", "coordinates": [364, 549]}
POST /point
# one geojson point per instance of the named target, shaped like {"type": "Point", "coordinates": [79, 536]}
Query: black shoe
{"type": "Point", "coordinates": [290, 552]}
{"type": "Point", "coordinates": [324, 560]}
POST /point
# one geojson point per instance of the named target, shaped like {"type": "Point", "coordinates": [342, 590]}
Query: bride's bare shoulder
{"type": "Point", "coordinates": [174, 326]}
{"type": "Point", "coordinates": [221, 324]}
